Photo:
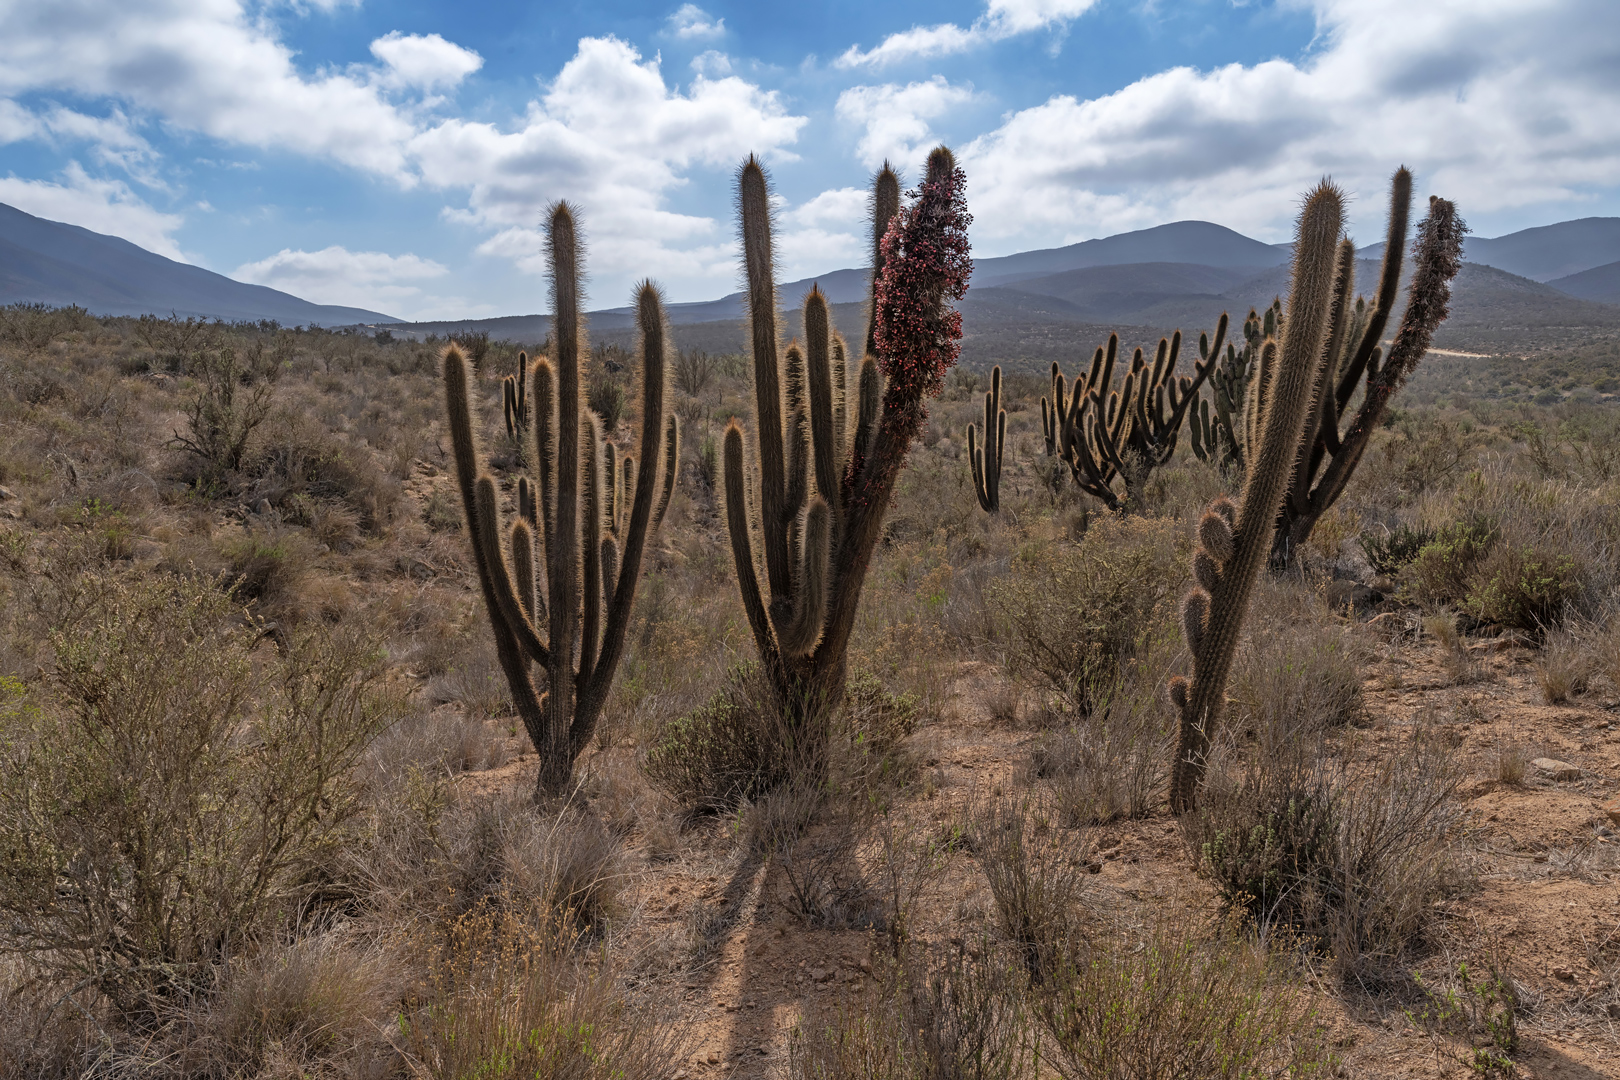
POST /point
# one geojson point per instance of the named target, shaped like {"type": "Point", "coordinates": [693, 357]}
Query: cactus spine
{"type": "Point", "coordinates": [594, 511]}
{"type": "Point", "coordinates": [986, 461]}
{"type": "Point", "coordinates": [1356, 359]}
{"type": "Point", "coordinates": [1102, 432]}
{"type": "Point", "coordinates": [823, 489]}
{"type": "Point", "coordinates": [1234, 541]}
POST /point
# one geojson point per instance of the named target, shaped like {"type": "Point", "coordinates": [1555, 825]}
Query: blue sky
{"type": "Point", "coordinates": [399, 156]}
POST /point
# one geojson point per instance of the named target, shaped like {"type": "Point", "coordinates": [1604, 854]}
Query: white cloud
{"type": "Point", "coordinates": [1496, 105]}
{"type": "Point", "coordinates": [613, 136]}
{"type": "Point", "coordinates": [692, 23]}
{"type": "Point", "coordinates": [712, 63]}
{"type": "Point", "coordinates": [1002, 19]}
{"type": "Point", "coordinates": [103, 206]}
{"type": "Point", "coordinates": [896, 117]}
{"type": "Point", "coordinates": [837, 206]}
{"type": "Point", "coordinates": [426, 62]}
{"type": "Point", "coordinates": [335, 275]}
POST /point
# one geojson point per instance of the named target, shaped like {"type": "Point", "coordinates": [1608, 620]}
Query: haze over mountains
{"type": "Point", "coordinates": [1029, 305]}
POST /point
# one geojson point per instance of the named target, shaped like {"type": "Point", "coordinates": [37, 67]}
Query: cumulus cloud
{"type": "Point", "coordinates": [426, 62]}
{"type": "Point", "coordinates": [335, 275]}
{"type": "Point", "coordinates": [896, 117]}
{"type": "Point", "coordinates": [1002, 19]}
{"type": "Point", "coordinates": [613, 136]}
{"type": "Point", "coordinates": [103, 206]}
{"type": "Point", "coordinates": [692, 23]}
{"type": "Point", "coordinates": [1508, 104]}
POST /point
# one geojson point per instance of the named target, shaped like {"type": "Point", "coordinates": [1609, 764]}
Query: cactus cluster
{"type": "Point", "coordinates": [1104, 431]}
{"type": "Point", "coordinates": [986, 461]}
{"type": "Point", "coordinates": [1233, 541]}
{"type": "Point", "coordinates": [1222, 436]}
{"type": "Point", "coordinates": [586, 515]}
{"type": "Point", "coordinates": [825, 471]}
{"type": "Point", "coordinates": [1356, 359]}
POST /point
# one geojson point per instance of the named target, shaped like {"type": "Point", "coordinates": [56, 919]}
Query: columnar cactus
{"type": "Point", "coordinates": [1222, 437]}
{"type": "Point", "coordinates": [1104, 433]}
{"type": "Point", "coordinates": [986, 461]}
{"type": "Point", "coordinates": [1355, 359]}
{"type": "Point", "coordinates": [1233, 542]}
{"type": "Point", "coordinates": [593, 511]}
{"type": "Point", "coordinates": [824, 484]}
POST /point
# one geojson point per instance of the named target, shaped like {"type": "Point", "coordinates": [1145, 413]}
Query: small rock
{"type": "Point", "coordinates": [6, 493]}
{"type": "Point", "coordinates": [1555, 769]}
{"type": "Point", "coordinates": [1563, 975]}
{"type": "Point", "coordinates": [1612, 808]}
{"type": "Point", "coordinates": [820, 975]}
{"type": "Point", "coordinates": [1614, 1010]}
{"type": "Point", "coordinates": [713, 1059]}
{"type": "Point", "coordinates": [262, 507]}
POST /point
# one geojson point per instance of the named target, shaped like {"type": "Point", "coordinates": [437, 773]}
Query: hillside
{"type": "Point", "coordinates": [1601, 283]}
{"type": "Point", "coordinates": [48, 262]}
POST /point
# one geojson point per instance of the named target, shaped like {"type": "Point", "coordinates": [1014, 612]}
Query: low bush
{"type": "Point", "coordinates": [166, 791]}
{"type": "Point", "coordinates": [1037, 874]}
{"type": "Point", "coordinates": [1075, 614]}
{"type": "Point", "coordinates": [1389, 551]}
{"type": "Point", "coordinates": [1165, 1004]}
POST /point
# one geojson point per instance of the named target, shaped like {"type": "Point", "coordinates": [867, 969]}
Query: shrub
{"type": "Point", "coordinates": [1353, 866]}
{"type": "Point", "coordinates": [1523, 587]}
{"type": "Point", "coordinates": [219, 420]}
{"type": "Point", "coordinates": [1036, 876]}
{"type": "Point", "coordinates": [607, 400]}
{"type": "Point", "coordinates": [1299, 670]}
{"type": "Point", "coordinates": [1164, 1004]}
{"type": "Point", "coordinates": [1444, 567]}
{"type": "Point", "coordinates": [504, 999]}
{"type": "Point", "coordinates": [166, 792]}
{"type": "Point", "coordinates": [1391, 550]}
{"type": "Point", "coordinates": [929, 1016]}
{"type": "Point", "coordinates": [1076, 613]}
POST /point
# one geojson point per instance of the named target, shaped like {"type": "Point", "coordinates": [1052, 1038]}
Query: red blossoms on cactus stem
{"type": "Point", "coordinates": [926, 263]}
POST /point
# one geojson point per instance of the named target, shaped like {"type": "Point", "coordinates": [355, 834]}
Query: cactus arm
{"type": "Point", "coordinates": [823, 420]}
{"type": "Point", "coordinates": [562, 551]}
{"type": "Point", "coordinates": [507, 602]}
{"type": "Point", "coordinates": [985, 462]}
{"type": "Point", "coordinates": [672, 468]}
{"type": "Point", "coordinates": [523, 565]}
{"type": "Point", "coordinates": [590, 545]}
{"type": "Point", "coordinates": [798, 637]}
{"type": "Point", "coordinates": [1215, 620]}
{"type": "Point", "coordinates": [545, 453]}
{"type": "Point", "coordinates": [1389, 281]}
{"type": "Point", "coordinates": [623, 572]}
{"type": "Point", "coordinates": [885, 205]}
{"type": "Point", "coordinates": [869, 397]}
{"type": "Point", "coordinates": [1312, 444]}
{"type": "Point", "coordinates": [742, 550]}
{"type": "Point", "coordinates": [840, 397]}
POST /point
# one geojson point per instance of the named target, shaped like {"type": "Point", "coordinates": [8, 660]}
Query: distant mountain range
{"type": "Point", "coordinates": [48, 262]}
{"type": "Point", "coordinates": [1148, 282]}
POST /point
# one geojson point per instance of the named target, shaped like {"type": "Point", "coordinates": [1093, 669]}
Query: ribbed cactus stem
{"type": "Point", "coordinates": [985, 462]}
{"type": "Point", "coordinates": [1213, 620]}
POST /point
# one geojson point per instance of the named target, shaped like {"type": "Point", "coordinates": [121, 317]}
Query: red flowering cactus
{"type": "Point", "coordinates": [926, 263]}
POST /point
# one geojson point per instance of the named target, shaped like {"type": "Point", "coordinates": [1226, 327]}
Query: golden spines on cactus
{"type": "Point", "coordinates": [582, 488]}
{"type": "Point", "coordinates": [985, 462]}
{"type": "Point", "coordinates": [1234, 542]}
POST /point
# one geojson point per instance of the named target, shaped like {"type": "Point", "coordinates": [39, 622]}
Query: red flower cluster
{"type": "Point", "coordinates": [926, 263]}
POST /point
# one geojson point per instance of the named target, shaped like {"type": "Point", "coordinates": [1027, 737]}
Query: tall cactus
{"type": "Point", "coordinates": [1354, 359]}
{"type": "Point", "coordinates": [824, 483]}
{"type": "Point", "coordinates": [593, 510]}
{"type": "Point", "coordinates": [1104, 432]}
{"type": "Point", "coordinates": [1233, 542]}
{"type": "Point", "coordinates": [986, 461]}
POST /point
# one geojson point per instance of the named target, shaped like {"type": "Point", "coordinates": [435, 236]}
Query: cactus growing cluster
{"type": "Point", "coordinates": [1221, 437]}
{"type": "Point", "coordinates": [986, 461]}
{"type": "Point", "coordinates": [826, 471]}
{"type": "Point", "coordinates": [1106, 431]}
{"type": "Point", "coordinates": [1356, 359]}
{"type": "Point", "coordinates": [587, 515]}
{"type": "Point", "coordinates": [1233, 541]}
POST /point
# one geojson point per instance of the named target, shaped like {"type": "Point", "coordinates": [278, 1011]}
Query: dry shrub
{"type": "Point", "coordinates": [1075, 614]}
{"type": "Point", "coordinates": [194, 785]}
{"type": "Point", "coordinates": [1512, 766]}
{"type": "Point", "coordinates": [309, 1008]}
{"type": "Point", "coordinates": [1112, 763]}
{"type": "Point", "coordinates": [504, 999]}
{"type": "Point", "coordinates": [471, 676]}
{"type": "Point", "coordinates": [1353, 863]}
{"type": "Point", "coordinates": [441, 742]}
{"type": "Point", "coordinates": [1565, 668]}
{"type": "Point", "coordinates": [268, 567]}
{"type": "Point", "coordinates": [1300, 668]}
{"type": "Point", "coordinates": [1037, 874]}
{"type": "Point", "coordinates": [930, 1016]}
{"type": "Point", "coordinates": [1165, 1005]}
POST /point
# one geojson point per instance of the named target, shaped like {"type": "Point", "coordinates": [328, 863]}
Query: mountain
{"type": "Point", "coordinates": [1601, 283]}
{"type": "Point", "coordinates": [52, 263]}
{"type": "Point", "coordinates": [1545, 253]}
{"type": "Point", "coordinates": [1201, 243]}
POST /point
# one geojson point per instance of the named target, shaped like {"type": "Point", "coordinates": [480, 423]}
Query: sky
{"type": "Point", "coordinates": [400, 156]}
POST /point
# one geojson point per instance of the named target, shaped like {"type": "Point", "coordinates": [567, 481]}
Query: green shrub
{"type": "Point", "coordinates": [1443, 569]}
{"type": "Point", "coordinates": [165, 793]}
{"type": "Point", "coordinates": [1076, 614]}
{"type": "Point", "coordinates": [1524, 587]}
